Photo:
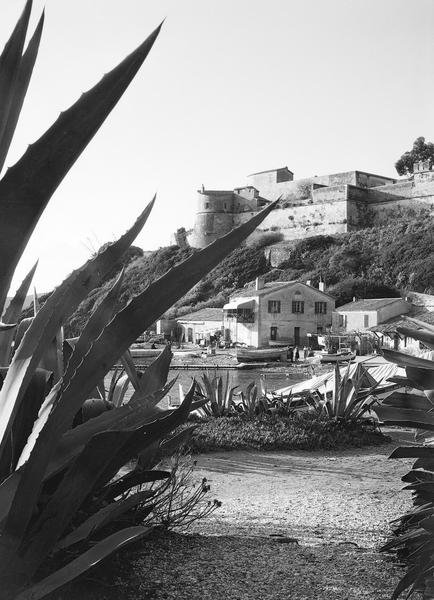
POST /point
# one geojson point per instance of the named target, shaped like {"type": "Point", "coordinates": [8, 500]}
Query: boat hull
{"type": "Point", "coordinates": [337, 358]}
{"type": "Point", "coordinates": [261, 355]}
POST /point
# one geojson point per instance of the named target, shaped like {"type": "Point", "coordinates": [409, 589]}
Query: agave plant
{"type": "Point", "coordinates": [350, 396]}
{"type": "Point", "coordinates": [60, 486]}
{"type": "Point", "coordinates": [217, 394]}
{"type": "Point", "coordinates": [414, 407]}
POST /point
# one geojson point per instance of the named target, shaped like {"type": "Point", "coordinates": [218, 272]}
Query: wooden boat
{"type": "Point", "coordinates": [261, 354]}
{"type": "Point", "coordinates": [341, 356]}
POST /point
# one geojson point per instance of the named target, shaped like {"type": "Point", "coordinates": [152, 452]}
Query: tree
{"type": "Point", "coordinates": [421, 151]}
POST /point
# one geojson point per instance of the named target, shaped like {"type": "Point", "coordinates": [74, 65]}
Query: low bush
{"type": "Point", "coordinates": [300, 431]}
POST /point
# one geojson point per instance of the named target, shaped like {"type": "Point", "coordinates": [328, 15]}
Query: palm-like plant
{"type": "Point", "coordinates": [413, 532]}
{"type": "Point", "coordinates": [56, 478]}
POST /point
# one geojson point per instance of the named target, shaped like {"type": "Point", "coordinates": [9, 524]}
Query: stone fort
{"type": "Point", "coordinates": [324, 204]}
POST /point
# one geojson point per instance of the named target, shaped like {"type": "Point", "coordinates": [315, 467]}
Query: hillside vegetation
{"type": "Point", "coordinates": [375, 262]}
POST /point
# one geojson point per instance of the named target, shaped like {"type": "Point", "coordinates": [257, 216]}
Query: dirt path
{"type": "Point", "coordinates": [315, 497]}
{"type": "Point", "coordinates": [293, 525]}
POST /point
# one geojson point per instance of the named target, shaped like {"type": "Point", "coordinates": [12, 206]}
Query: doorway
{"type": "Point", "coordinates": [296, 336]}
{"type": "Point", "coordinates": [273, 334]}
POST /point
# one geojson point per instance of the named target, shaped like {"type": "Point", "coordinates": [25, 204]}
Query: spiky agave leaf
{"type": "Point", "coordinates": [98, 463]}
{"type": "Point", "coordinates": [119, 334]}
{"type": "Point", "coordinates": [102, 517]}
{"type": "Point", "coordinates": [10, 60]}
{"type": "Point", "coordinates": [45, 325]}
{"type": "Point", "coordinates": [12, 314]}
{"type": "Point", "coordinates": [85, 561]}
{"type": "Point", "coordinates": [46, 162]}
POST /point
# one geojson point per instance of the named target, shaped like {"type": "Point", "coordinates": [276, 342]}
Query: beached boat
{"type": "Point", "coordinates": [340, 356]}
{"type": "Point", "coordinates": [261, 354]}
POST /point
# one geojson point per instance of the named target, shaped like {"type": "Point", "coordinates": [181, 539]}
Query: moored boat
{"type": "Point", "coordinates": [341, 356]}
{"type": "Point", "coordinates": [261, 354]}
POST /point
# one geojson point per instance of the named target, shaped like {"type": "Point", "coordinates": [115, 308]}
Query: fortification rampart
{"type": "Point", "coordinates": [326, 204]}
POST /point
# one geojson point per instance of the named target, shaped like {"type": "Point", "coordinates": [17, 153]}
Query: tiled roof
{"type": "Point", "coordinates": [204, 314]}
{"type": "Point", "coordinates": [420, 313]}
{"type": "Point", "coordinates": [270, 287]}
{"type": "Point", "coordinates": [366, 304]}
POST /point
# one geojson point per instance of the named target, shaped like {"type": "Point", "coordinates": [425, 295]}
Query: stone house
{"type": "Point", "coordinates": [362, 315]}
{"type": "Point", "coordinates": [197, 326]}
{"type": "Point", "coordinates": [277, 312]}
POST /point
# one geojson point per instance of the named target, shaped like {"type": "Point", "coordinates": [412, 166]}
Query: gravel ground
{"type": "Point", "coordinates": [298, 525]}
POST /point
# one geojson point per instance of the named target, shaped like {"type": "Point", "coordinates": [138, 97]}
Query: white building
{"type": "Point", "coordinates": [281, 311]}
{"type": "Point", "coordinates": [196, 326]}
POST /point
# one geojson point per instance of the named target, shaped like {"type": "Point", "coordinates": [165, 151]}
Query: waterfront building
{"type": "Point", "coordinates": [280, 312]}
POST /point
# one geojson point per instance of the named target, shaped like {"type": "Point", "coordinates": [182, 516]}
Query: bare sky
{"type": "Point", "coordinates": [231, 87]}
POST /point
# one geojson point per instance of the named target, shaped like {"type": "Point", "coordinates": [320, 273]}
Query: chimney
{"type": "Point", "coordinates": [321, 285]}
{"type": "Point", "coordinates": [259, 283]}
{"type": "Point", "coordinates": [308, 282]}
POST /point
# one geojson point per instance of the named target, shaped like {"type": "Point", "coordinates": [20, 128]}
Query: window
{"type": "Point", "coordinates": [320, 308]}
{"type": "Point", "coordinates": [341, 320]}
{"type": "Point", "coordinates": [274, 306]}
{"type": "Point", "coordinates": [366, 320]}
{"type": "Point", "coordinates": [298, 306]}
{"type": "Point", "coordinates": [206, 204]}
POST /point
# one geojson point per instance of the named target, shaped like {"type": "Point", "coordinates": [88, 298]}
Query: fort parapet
{"type": "Point", "coordinates": [324, 204]}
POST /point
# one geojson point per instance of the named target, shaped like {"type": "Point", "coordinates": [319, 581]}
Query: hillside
{"type": "Point", "coordinates": [374, 262]}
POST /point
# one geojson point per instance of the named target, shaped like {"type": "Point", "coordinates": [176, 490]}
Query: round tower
{"type": "Point", "coordinates": [214, 217]}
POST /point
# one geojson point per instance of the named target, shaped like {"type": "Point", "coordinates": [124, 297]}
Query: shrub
{"type": "Point", "coordinates": [299, 431]}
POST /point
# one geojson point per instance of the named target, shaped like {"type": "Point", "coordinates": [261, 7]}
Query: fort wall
{"type": "Point", "coordinates": [319, 205]}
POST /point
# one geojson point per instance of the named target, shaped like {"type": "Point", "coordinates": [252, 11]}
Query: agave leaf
{"type": "Point", "coordinates": [7, 326]}
{"type": "Point", "coordinates": [61, 304]}
{"type": "Point", "coordinates": [45, 325]}
{"type": "Point", "coordinates": [174, 442]}
{"type": "Point", "coordinates": [43, 413]}
{"type": "Point", "coordinates": [407, 360]}
{"type": "Point", "coordinates": [131, 371]}
{"type": "Point", "coordinates": [100, 460]}
{"type": "Point", "coordinates": [401, 400]}
{"type": "Point", "coordinates": [12, 314]}
{"type": "Point", "coordinates": [101, 518]}
{"type": "Point", "coordinates": [75, 486]}
{"type": "Point", "coordinates": [413, 452]}
{"type": "Point", "coordinates": [132, 479]}
{"type": "Point", "coordinates": [10, 61]}
{"type": "Point", "coordinates": [417, 475]}
{"type": "Point", "coordinates": [97, 321]}
{"type": "Point", "coordinates": [155, 376]}
{"type": "Point", "coordinates": [46, 162]}
{"type": "Point", "coordinates": [154, 432]}
{"type": "Point", "coordinates": [423, 377]}
{"type": "Point", "coordinates": [120, 389]}
{"type": "Point", "coordinates": [421, 324]}
{"type": "Point", "coordinates": [406, 582]}
{"type": "Point", "coordinates": [423, 335]}
{"type": "Point", "coordinates": [85, 561]}
{"type": "Point", "coordinates": [405, 417]}
{"type": "Point", "coordinates": [74, 440]}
